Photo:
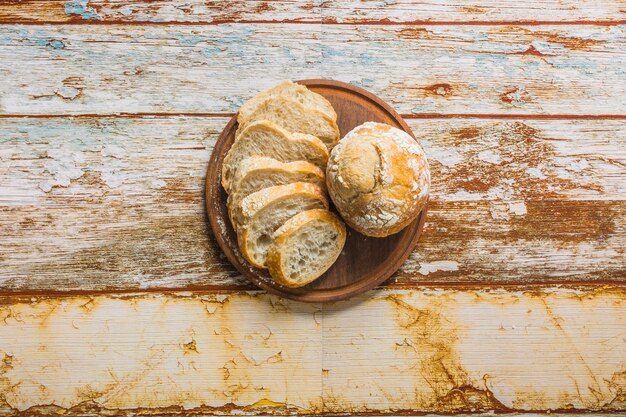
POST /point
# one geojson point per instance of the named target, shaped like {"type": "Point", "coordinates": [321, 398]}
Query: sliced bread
{"type": "Point", "coordinates": [305, 247]}
{"type": "Point", "coordinates": [290, 89]}
{"type": "Point", "coordinates": [259, 172]}
{"type": "Point", "coordinates": [265, 138]}
{"type": "Point", "coordinates": [295, 117]}
{"type": "Point", "coordinates": [259, 215]}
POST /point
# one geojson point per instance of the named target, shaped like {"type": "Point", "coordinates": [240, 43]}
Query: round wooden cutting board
{"type": "Point", "coordinates": [365, 261]}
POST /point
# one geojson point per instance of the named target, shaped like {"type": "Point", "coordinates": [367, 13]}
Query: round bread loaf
{"type": "Point", "coordinates": [378, 178]}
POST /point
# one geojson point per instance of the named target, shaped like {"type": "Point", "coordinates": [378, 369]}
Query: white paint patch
{"type": "Point", "coordinates": [518, 208]}
{"type": "Point", "coordinates": [111, 179]}
{"type": "Point", "coordinates": [462, 195]}
{"type": "Point", "coordinates": [114, 151]}
{"type": "Point", "coordinates": [445, 156]}
{"type": "Point", "coordinates": [490, 156]}
{"type": "Point", "coordinates": [429, 267]}
{"type": "Point", "coordinates": [62, 166]}
{"type": "Point", "coordinates": [158, 183]}
{"type": "Point", "coordinates": [535, 173]}
{"type": "Point", "coordinates": [578, 165]}
{"type": "Point", "coordinates": [5, 157]}
{"type": "Point", "coordinates": [504, 210]}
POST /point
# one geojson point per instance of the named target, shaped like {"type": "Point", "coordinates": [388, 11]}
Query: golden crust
{"type": "Point", "coordinates": [229, 169]}
{"type": "Point", "coordinates": [290, 89]}
{"type": "Point", "coordinates": [285, 232]}
{"type": "Point", "coordinates": [278, 108]}
{"type": "Point", "coordinates": [397, 173]}
{"type": "Point", "coordinates": [306, 172]}
{"type": "Point", "coordinates": [252, 205]}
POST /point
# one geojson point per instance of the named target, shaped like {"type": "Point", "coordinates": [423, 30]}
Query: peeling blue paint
{"type": "Point", "coordinates": [184, 40]}
{"type": "Point", "coordinates": [368, 59]}
{"type": "Point", "coordinates": [367, 82]}
{"type": "Point", "coordinates": [81, 8]}
{"type": "Point", "coordinates": [56, 44]}
{"type": "Point", "coordinates": [210, 51]}
{"type": "Point", "coordinates": [328, 51]}
{"type": "Point", "coordinates": [498, 58]}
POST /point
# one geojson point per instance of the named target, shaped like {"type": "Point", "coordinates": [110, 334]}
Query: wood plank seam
{"type": "Point", "coordinates": [504, 116]}
{"type": "Point", "coordinates": [329, 22]}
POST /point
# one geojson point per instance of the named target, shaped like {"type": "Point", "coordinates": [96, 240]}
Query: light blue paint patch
{"type": "Point", "coordinates": [582, 65]}
{"type": "Point", "coordinates": [210, 51]}
{"type": "Point", "coordinates": [368, 59]}
{"type": "Point", "coordinates": [367, 82]}
{"type": "Point", "coordinates": [496, 57]}
{"type": "Point", "coordinates": [56, 44]}
{"type": "Point", "coordinates": [81, 8]}
{"type": "Point", "coordinates": [419, 109]}
{"type": "Point", "coordinates": [328, 52]}
{"type": "Point", "coordinates": [41, 42]}
{"type": "Point", "coordinates": [184, 40]}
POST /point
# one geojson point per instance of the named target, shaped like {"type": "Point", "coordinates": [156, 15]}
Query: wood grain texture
{"type": "Point", "coordinates": [510, 70]}
{"type": "Point", "coordinates": [117, 203]}
{"type": "Point", "coordinates": [160, 11]}
{"type": "Point", "coordinates": [333, 11]}
{"type": "Point", "coordinates": [251, 353]}
{"type": "Point", "coordinates": [409, 11]}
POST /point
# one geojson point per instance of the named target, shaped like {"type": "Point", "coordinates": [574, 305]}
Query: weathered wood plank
{"type": "Point", "coordinates": [333, 11]}
{"type": "Point", "coordinates": [160, 11]}
{"type": "Point", "coordinates": [408, 11]}
{"type": "Point", "coordinates": [439, 69]}
{"type": "Point", "coordinates": [249, 353]}
{"type": "Point", "coordinates": [117, 203]}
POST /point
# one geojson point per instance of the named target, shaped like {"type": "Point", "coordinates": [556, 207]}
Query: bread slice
{"type": "Point", "coordinates": [292, 90]}
{"type": "Point", "coordinates": [295, 117]}
{"type": "Point", "coordinates": [261, 213]}
{"type": "Point", "coordinates": [258, 172]}
{"type": "Point", "coordinates": [264, 138]}
{"type": "Point", "coordinates": [305, 247]}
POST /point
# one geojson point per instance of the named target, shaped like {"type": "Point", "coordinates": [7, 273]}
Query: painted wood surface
{"type": "Point", "coordinates": [114, 203]}
{"type": "Point", "coordinates": [389, 351]}
{"type": "Point", "coordinates": [328, 11]}
{"type": "Point", "coordinates": [411, 11]}
{"type": "Point", "coordinates": [512, 70]}
{"type": "Point", "coordinates": [118, 203]}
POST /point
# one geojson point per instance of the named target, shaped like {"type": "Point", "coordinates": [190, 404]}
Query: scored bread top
{"type": "Point", "coordinates": [305, 247]}
{"type": "Point", "coordinates": [378, 178]}
{"type": "Point", "coordinates": [265, 138]}
{"type": "Point", "coordinates": [295, 117]}
{"type": "Point", "coordinates": [289, 89]}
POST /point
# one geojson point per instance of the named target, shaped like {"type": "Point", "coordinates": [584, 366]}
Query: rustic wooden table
{"type": "Point", "coordinates": [115, 299]}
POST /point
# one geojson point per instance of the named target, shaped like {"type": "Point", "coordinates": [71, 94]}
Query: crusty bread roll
{"type": "Point", "coordinates": [378, 178]}
{"type": "Point", "coordinates": [305, 247]}
{"type": "Point", "coordinates": [264, 138]}
{"type": "Point", "coordinates": [261, 213]}
{"type": "Point", "coordinates": [292, 90]}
